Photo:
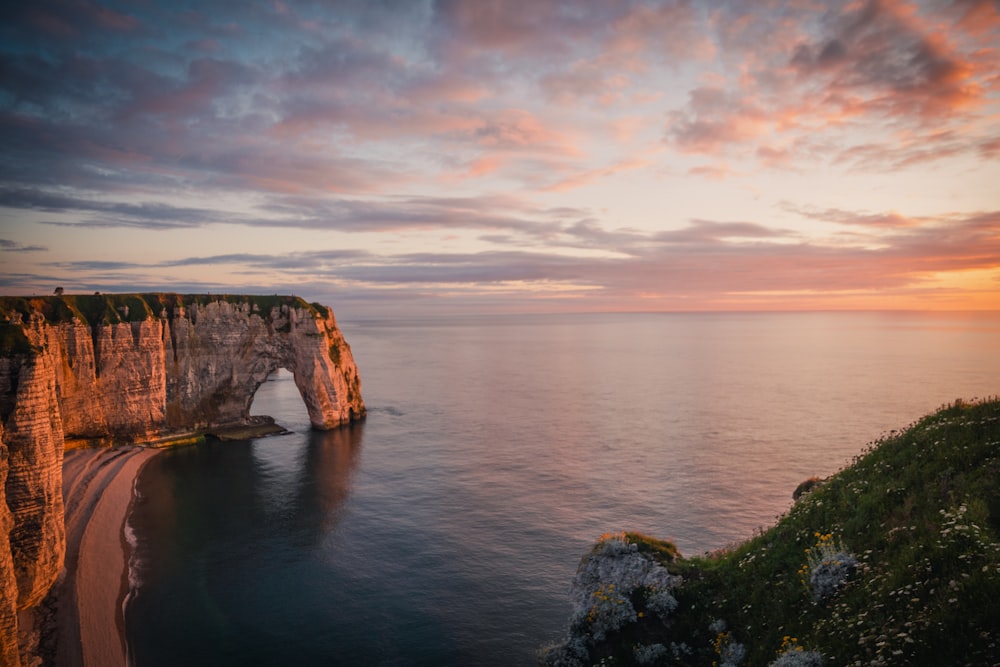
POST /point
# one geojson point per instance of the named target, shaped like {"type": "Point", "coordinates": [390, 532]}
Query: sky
{"type": "Point", "coordinates": [445, 156]}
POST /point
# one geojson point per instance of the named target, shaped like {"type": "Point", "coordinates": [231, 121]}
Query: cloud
{"type": "Point", "coordinates": [584, 178]}
{"type": "Point", "coordinates": [95, 265]}
{"type": "Point", "coordinates": [61, 19]}
{"type": "Point", "coordinates": [414, 213]}
{"type": "Point", "coordinates": [484, 213]}
{"type": "Point", "coordinates": [881, 67]}
{"type": "Point", "coordinates": [888, 220]}
{"type": "Point", "coordinates": [305, 261]}
{"type": "Point", "coordinates": [109, 214]}
{"type": "Point", "coordinates": [519, 29]}
{"type": "Point", "coordinates": [883, 55]}
{"type": "Point", "coordinates": [522, 138]}
{"type": "Point", "coordinates": [715, 232]}
{"type": "Point", "coordinates": [704, 262]}
{"type": "Point", "coordinates": [714, 119]}
{"type": "Point", "coordinates": [6, 245]}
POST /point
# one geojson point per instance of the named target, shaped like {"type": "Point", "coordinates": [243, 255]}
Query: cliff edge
{"type": "Point", "coordinates": [136, 368]}
{"type": "Point", "coordinates": [894, 560]}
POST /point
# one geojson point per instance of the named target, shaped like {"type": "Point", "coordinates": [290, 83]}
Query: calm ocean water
{"type": "Point", "coordinates": [445, 530]}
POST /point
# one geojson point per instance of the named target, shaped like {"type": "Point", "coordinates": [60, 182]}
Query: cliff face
{"type": "Point", "coordinates": [32, 532]}
{"type": "Point", "coordinates": [8, 583]}
{"type": "Point", "coordinates": [134, 368]}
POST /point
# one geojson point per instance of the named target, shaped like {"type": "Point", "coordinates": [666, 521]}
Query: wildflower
{"type": "Point", "coordinates": [792, 655]}
{"type": "Point", "coordinates": [827, 567]}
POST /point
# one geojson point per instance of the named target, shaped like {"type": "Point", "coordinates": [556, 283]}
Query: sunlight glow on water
{"type": "Point", "coordinates": [447, 527]}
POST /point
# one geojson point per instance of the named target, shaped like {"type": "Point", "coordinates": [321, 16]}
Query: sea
{"type": "Point", "coordinates": [446, 528]}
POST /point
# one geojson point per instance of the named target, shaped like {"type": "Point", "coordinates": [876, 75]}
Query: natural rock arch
{"type": "Point", "coordinates": [133, 368]}
{"type": "Point", "coordinates": [222, 353]}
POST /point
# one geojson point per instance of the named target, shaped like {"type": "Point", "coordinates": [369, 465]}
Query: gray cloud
{"type": "Point", "coordinates": [119, 214]}
{"type": "Point", "coordinates": [6, 245]}
{"type": "Point", "coordinates": [305, 261]}
{"type": "Point", "coordinates": [870, 51]}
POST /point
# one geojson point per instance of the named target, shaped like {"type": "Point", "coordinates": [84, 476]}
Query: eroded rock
{"type": "Point", "coordinates": [128, 368]}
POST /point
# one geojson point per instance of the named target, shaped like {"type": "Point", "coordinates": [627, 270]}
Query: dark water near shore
{"type": "Point", "coordinates": [445, 529]}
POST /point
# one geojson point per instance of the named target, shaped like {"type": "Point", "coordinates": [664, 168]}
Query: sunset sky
{"type": "Point", "coordinates": [500, 156]}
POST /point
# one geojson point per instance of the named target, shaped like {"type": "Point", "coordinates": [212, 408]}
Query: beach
{"type": "Point", "coordinates": [97, 491]}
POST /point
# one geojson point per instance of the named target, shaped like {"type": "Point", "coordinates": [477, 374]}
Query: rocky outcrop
{"type": "Point", "coordinates": [127, 368]}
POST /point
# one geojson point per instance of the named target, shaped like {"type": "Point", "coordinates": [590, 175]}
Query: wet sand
{"type": "Point", "coordinates": [97, 491]}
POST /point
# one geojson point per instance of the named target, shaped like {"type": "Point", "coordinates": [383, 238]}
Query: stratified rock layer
{"type": "Point", "coordinates": [8, 583]}
{"type": "Point", "coordinates": [126, 368]}
{"type": "Point", "coordinates": [32, 531]}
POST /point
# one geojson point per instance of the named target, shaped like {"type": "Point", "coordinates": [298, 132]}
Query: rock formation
{"type": "Point", "coordinates": [127, 368]}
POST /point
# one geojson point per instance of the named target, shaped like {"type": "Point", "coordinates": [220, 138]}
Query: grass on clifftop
{"type": "Point", "coordinates": [101, 309]}
{"type": "Point", "coordinates": [895, 560]}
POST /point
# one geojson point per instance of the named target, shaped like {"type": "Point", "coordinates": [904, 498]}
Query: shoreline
{"type": "Point", "coordinates": [98, 492]}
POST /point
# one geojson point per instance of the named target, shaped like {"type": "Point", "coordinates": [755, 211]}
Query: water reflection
{"type": "Point", "coordinates": [331, 459]}
{"type": "Point", "coordinates": [212, 518]}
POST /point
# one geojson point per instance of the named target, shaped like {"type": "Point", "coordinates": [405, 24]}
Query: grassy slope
{"type": "Point", "coordinates": [920, 510]}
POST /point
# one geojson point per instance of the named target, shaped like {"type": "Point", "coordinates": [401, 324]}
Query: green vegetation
{"type": "Point", "coordinates": [53, 308]}
{"type": "Point", "coordinates": [259, 303]}
{"type": "Point", "coordinates": [334, 351]}
{"type": "Point", "coordinates": [13, 341]}
{"type": "Point", "coordinates": [320, 309]}
{"type": "Point", "coordinates": [263, 304]}
{"type": "Point", "coordinates": [111, 308]}
{"type": "Point", "coordinates": [98, 309]}
{"type": "Point", "coordinates": [104, 309]}
{"type": "Point", "coordinates": [895, 560]}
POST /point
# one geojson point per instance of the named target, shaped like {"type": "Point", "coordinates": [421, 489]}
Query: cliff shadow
{"type": "Point", "coordinates": [229, 536]}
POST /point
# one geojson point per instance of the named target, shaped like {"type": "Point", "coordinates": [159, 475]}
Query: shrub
{"type": "Point", "coordinates": [731, 653]}
{"type": "Point", "coordinates": [650, 654]}
{"type": "Point", "coordinates": [791, 654]}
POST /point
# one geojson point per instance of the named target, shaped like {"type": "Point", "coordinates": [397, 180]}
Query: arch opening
{"type": "Point", "coordinates": [279, 398]}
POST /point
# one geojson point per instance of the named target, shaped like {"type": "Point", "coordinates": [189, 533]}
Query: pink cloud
{"type": "Point", "coordinates": [585, 79]}
{"type": "Point", "coordinates": [521, 130]}
{"type": "Point", "coordinates": [880, 66]}
{"type": "Point", "coordinates": [979, 17]}
{"type": "Point", "coordinates": [583, 178]}
{"type": "Point", "coordinates": [896, 62]}
{"type": "Point", "coordinates": [718, 172]}
{"type": "Point", "coordinates": [889, 220]}
{"type": "Point", "coordinates": [483, 166]}
{"type": "Point", "coordinates": [441, 88]}
{"type": "Point", "coordinates": [715, 119]}
{"type": "Point", "coordinates": [513, 27]}
{"type": "Point", "coordinates": [671, 31]}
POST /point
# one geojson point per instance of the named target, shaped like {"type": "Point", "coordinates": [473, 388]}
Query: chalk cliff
{"type": "Point", "coordinates": [137, 367]}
